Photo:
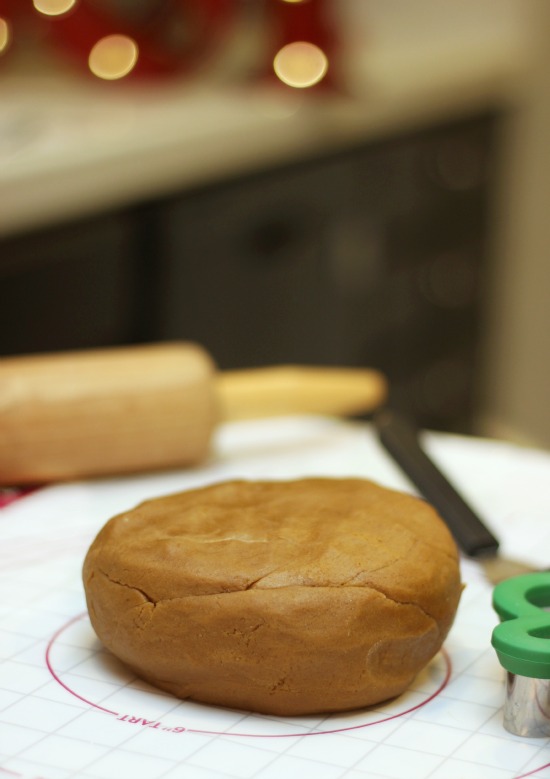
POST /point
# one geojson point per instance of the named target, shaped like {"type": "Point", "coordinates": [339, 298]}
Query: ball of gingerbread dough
{"type": "Point", "coordinates": [296, 597]}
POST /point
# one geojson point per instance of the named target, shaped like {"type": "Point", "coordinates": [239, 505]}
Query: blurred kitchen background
{"type": "Point", "coordinates": [376, 195]}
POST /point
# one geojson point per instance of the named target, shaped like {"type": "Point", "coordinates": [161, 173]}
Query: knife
{"type": "Point", "coordinates": [401, 440]}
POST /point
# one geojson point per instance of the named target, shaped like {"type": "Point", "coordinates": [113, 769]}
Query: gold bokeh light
{"type": "Point", "coordinates": [113, 57]}
{"type": "Point", "coordinates": [5, 35]}
{"type": "Point", "coordinates": [300, 64]}
{"type": "Point", "coordinates": [54, 7]}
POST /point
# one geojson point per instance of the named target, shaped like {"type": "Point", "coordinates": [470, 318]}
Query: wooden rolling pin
{"type": "Point", "coordinates": [103, 412]}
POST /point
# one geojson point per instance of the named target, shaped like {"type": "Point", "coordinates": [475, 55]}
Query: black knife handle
{"type": "Point", "coordinates": [401, 441]}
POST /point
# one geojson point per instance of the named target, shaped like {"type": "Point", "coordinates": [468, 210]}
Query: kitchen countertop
{"type": "Point", "coordinates": [70, 146]}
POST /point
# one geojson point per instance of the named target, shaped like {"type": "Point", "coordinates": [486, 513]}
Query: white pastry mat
{"type": "Point", "coordinates": [69, 709]}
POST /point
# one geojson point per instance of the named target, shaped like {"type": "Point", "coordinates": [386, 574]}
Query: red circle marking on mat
{"type": "Point", "coordinates": [59, 680]}
{"type": "Point", "coordinates": [55, 675]}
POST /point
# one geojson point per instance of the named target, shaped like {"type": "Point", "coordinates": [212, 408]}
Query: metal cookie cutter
{"type": "Point", "coordinates": [522, 644]}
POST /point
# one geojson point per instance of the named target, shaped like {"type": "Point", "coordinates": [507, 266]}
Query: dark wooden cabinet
{"type": "Point", "coordinates": [249, 266]}
{"type": "Point", "coordinates": [374, 256]}
{"type": "Point", "coordinates": [70, 287]}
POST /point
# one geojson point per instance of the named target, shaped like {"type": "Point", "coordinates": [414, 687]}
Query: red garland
{"type": "Point", "coordinates": [179, 34]}
{"type": "Point", "coordinates": [161, 51]}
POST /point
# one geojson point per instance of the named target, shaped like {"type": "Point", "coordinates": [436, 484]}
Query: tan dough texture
{"type": "Point", "coordinates": [280, 597]}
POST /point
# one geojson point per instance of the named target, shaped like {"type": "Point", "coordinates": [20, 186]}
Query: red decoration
{"type": "Point", "coordinates": [176, 36]}
{"type": "Point", "coordinates": [9, 10]}
{"type": "Point", "coordinates": [307, 21]}
{"type": "Point", "coordinates": [174, 39]}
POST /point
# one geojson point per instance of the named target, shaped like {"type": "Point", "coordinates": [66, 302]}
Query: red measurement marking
{"type": "Point", "coordinates": [534, 771]}
{"type": "Point", "coordinates": [50, 667]}
{"type": "Point", "coordinates": [131, 719]}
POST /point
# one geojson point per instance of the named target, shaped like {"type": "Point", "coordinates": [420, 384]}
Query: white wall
{"type": "Point", "coordinates": [517, 348]}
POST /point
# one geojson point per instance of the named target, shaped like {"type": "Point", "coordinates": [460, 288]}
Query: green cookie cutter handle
{"type": "Point", "coordinates": [522, 640]}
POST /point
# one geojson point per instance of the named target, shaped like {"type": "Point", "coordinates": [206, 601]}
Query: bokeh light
{"type": "Point", "coordinates": [5, 35]}
{"type": "Point", "coordinates": [300, 64]}
{"type": "Point", "coordinates": [54, 7]}
{"type": "Point", "coordinates": [113, 57]}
